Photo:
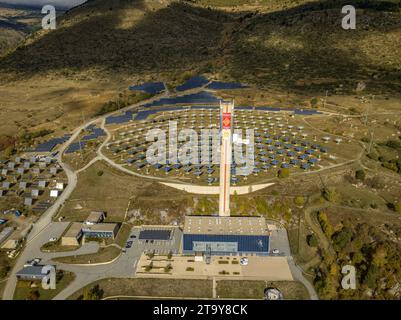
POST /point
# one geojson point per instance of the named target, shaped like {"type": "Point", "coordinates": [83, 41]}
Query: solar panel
{"type": "Point", "coordinates": [149, 87]}
{"type": "Point", "coordinates": [219, 85]}
{"type": "Point", "coordinates": [245, 243]}
{"type": "Point", "coordinates": [76, 146]}
{"type": "Point", "coordinates": [195, 98]}
{"type": "Point", "coordinates": [126, 117]}
{"type": "Point", "coordinates": [155, 235]}
{"type": "Point", "coordinates": [49, 145]}
{"type": "Point", "coordinates": [191, 83]}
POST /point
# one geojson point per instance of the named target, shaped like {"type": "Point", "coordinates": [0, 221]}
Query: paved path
{"type": "Point", "coordinates": [298, 275]}
{"type": "Point", "coordinates": [122, 267]}
{"type": "Point", "coordinates": [216, 189]}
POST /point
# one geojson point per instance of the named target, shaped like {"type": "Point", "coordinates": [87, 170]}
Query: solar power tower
{"type": "Point", "coordinates": [226, 127]}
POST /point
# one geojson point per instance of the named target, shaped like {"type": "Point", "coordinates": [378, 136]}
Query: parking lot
{"type": "Point", "coordinates": [278, 240]}
{"type": "Point", "coordinates": [157, 246]}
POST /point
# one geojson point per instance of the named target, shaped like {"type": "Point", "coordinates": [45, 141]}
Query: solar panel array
{"type": "Point", "coordinates": [219, 85]}
{"type": "Point", "coordinates": [95, 133]}
{"type": "Point", "coordinates": [144, 114]}
{"type": "Point", "coordinates": [195, 98]}
{"type": "Point", "coordinates": [49, 145]}
{"type": "Point", "coordinates": [246, 243]}
{"type": "Point", "coordinates": [149, 87]}
{"type": "Point", "coordinates": [126, 117]}
{"type": "Point", "coordinates": [76, 146]}
{"type": "Point", "coordinates": [192, 83]}
{"type": "Point", "coordinates": [155, 234]}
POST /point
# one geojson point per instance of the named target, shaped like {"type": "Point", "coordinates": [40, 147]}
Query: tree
{"type": "Point", "coordinates": [312, 240]}
{"type": "Point", "coordinates": [34, 295]}
{"type": "Point", "coordinates": [371, 276]}
{"type": "Point", "coordinates": [284, 173]}
{"type": "Point", "coordinates": [342, 238]}
{"type": "Point", "coordinates": [360, 174]}
{"type": "Point", "coordinates": [397, 207]}
{"type": "Point", "coordinates": [170, 255]}
{"type": "Point", "coordinates": [380, 256]}
{"type": "Point", "coordinates": [325, 224]}
{"type": "Point", "coordinates": [95, 293]}
{"type": "Point", "coordinates": [299, 201]}
{"type": "Point", "coordinates": [168, 268]}
{"type": "Point", "coordinates": [331, 194]}
{"type": "Point", "coordinates": [314, 102]}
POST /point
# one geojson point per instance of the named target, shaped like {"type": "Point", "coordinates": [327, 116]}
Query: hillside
{"type": "Point", "coordinates": [295, 46]}
{"type": "Point", "coordinates": [15, 25]}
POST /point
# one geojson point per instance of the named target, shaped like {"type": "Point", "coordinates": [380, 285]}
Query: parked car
{"type": "Point", "coordinates": [53, 239]}
{"type": "Point", "coordinates": [132, 236]}
{"type": "Point", "coordinates": [244, 261]}
{"type": "Point", "coordinates": [276, 251]}
{"type": "Point", "coordinates": [128, 244]}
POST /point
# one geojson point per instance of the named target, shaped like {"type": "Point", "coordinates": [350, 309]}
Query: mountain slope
{"type": "Point", "coordinates": [15, 25]}
{"type": "Point", "coordinates": [289, 46]}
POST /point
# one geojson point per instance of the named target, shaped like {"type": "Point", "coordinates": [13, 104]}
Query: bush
{"type": "Point", "coordinates": [342, 238]}
{"type": "Point", "coordinates": [325, 224]}
{"type": "Point", "coordinates": [331, 194]}
{"type": "Point", "coordinates": [100, 173]}
{"type": "Point", "coordinates": [360, 174]}
{"type": "Point", "coordinates": [283, 173]}
{"type": "Point", "coordinates": [312, 240]}
{"type": "Point", "coordinates": [168, 268]}
{"type": "Point", "coordinates": [95, 293]}
{"type": "Point", "coordinates": [189, 269]}
{"type": "Point", "coordinates": [34, 295]}
{"type": "Point", "coordinates": [299, 201]}
{"type": "Point", "coordinates": [397, 207]}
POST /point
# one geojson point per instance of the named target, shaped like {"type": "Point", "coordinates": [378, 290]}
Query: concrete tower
{"type": "Point", "coordinates": [226, 118]}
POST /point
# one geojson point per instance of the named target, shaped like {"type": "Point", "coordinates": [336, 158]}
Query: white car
{"type": "Point", "coordinates": [244, 261]}
{"type": "Point", "coordinates": [276, 251]}
{"type": "Point", "coordinates": [53, 239]}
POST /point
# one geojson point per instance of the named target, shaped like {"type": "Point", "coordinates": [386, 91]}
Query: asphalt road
{"type": "Point", "coordinates": [122, 267]}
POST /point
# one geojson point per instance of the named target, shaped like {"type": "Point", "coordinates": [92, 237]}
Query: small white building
{"type": "Point", "coordinates": [54, 193]}
{"type": "Point", "coordinates": [35, 193]}
{"type": "Point", "coordinates": [42, 184]}
{"type": "Point", "coordinates": [60, 186]}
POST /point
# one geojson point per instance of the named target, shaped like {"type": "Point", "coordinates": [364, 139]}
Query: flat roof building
{"type": "Point", "coordinates": [95, 217]}
{"type": "Point", "coordinates": [31, 273]}
{"type": "Point", "coordinates": [54, 193]}
{"type": "Point", "coordinates": [73, 235]}
{"type": "Point", "coordinates": [225, 235]}
{"type": "Point", "coordinates": [5, 233]}
{"type": "Point", "coordinates": [101, 230]}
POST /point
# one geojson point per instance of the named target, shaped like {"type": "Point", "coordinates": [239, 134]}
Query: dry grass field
{"type": "Point", "coordinates": [244, 289]}
{"type": "Point", "coordinates": [101, 187]}
{"type": "Point", "coordinates": [151, 287]}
